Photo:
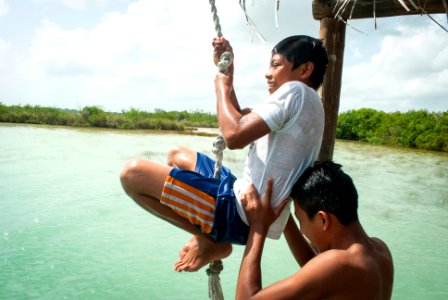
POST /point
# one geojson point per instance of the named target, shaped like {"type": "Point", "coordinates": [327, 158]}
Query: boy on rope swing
{"type": "Point", "coordinates": [284, 133]}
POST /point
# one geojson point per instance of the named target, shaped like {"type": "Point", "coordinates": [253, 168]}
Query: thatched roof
{"type": "Point", "coordinates": [357, 9]}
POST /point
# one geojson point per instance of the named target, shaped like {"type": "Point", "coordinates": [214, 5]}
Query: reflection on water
{"type": "Point", "coordinates": [67, 230]}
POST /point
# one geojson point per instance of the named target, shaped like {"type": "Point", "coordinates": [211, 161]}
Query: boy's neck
{"type": "Point", "coordinates": [347, 235]}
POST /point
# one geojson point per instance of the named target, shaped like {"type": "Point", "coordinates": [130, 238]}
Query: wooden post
{"type": "Point", "coordinates": [332, 32]}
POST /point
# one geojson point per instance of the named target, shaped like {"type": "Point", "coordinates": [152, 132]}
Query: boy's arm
{"type": "Point", "coordinates": [306, 283]}
{"type": "Point", "coordinates": [299, 247]}
{"type": "Point", "coordinates": [260, 215]}
{"type": "Point", "coordinates": [239, 127]}
{"type": "Point", "coordinates": [249, 279]}
{"type": "Point", "coordinates": [323, 277]}
{"type": "Point", "coordinates": [235, 103]}
{"type": "Point", "coordinates": [328, 275]}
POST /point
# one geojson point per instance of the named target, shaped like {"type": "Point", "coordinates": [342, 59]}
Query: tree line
{"type": "Point", "coordinates": [418, 129]}
{"type": "Point", "coordinates": [94, 116]}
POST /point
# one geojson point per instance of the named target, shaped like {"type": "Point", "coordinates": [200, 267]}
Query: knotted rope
{"type": "Point", "coordinates": [219, 145]}
{"type": "Point", "coordinates": [215, 267]}
{"type": "Point", "coordinates": [214, 283]}
{"type": "Point", "coordinates": [226, 58]}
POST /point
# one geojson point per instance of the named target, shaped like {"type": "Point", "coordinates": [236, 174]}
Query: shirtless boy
{"type": "Point", "coordinates": [349, 265]}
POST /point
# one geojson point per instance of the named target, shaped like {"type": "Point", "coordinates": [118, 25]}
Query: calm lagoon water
{"type": "Point", "coordinates": [68, 231]}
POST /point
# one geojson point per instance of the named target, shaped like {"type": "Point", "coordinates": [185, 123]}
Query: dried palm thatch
{"type": "Point", "coordinates": [251, 25]}
{"type": "Point", "coordinates": [345, 10]}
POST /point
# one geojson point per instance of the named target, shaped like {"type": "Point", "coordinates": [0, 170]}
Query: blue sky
{"type": "Point", "coordinates": [122, 54]}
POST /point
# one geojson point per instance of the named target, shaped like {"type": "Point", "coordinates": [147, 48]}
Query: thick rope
{"type": "Point", "coordinates": [215, 267]}
{"type": "Point", "coordinates": [215, 18]}
{"type": "Point", "coordinates": [226, 58]}
{"type": "Point", "coordinates": [219, 145]}
{"type": "Point", "coordinates": [225, 61]}
{"type": "Point", "coordinates": [214, 283]}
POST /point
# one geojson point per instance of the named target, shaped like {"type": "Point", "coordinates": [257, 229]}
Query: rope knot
{"type": "Point", "coordinates": [225, 61]}
{"type": "Point", "coordinates": [214, 285]}
{"type": "Point", "coordinates": [215, 268]}
{"type": "Point", "coordinates": [218, 147]}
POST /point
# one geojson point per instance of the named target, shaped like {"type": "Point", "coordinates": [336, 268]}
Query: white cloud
{"type": "Point", "coordinates": [155, 55]}
{"type": "Point", "coordinates": [4, 8]}
{"type": "Point", "coordinates": [4, 47]}
{"type": "Point", "coordinates": [5, 55]}
{"type": "Point", "coordinates": [149, 56]}
{"type": "Point", "coordinates": [77, 4]}
{"type": "Point", "coordinates": [409, 70]}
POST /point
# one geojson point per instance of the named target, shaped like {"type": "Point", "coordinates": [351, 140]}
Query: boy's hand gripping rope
{"type": "Point", "coordinates": [223, 65]}
{"type": "Point", "coordinates": [226, 58]}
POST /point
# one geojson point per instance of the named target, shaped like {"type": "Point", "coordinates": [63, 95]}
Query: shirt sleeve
{"type": "Point", "coordinates": [272, 113]}
{"type": "Point", "coordinates": [281, 106]}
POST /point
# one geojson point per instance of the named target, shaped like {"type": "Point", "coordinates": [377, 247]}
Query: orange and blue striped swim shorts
{"type": "Point", "coordinates": [207, 202]}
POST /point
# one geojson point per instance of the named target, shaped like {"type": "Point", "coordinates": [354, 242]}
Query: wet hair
{"type": "Point", "coordinates": [325, 187]}
{"type": "Point", "coordinates": [300, 49]}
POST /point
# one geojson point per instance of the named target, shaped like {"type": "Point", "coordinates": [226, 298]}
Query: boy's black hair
{"type": "Point", "coordinates": [326, 187]}
{"type": "Point", "coordinates": [299, 49]}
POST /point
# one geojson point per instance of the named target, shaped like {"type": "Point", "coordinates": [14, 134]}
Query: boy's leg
{"type": "Point", "coordinates": [143, 181]}
{"type": "Point", "coordinates": [185, 158]}
{"type": "Point", "coordinates": [182, 158]}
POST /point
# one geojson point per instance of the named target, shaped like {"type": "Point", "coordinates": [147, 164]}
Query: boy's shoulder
{"type": "Point", "coordinates": [294, 86]}
{"type": "Point", "coordinates": [332, 269]}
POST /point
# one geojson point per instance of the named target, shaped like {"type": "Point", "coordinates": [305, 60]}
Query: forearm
{"type": "Point", "coordinates": [249, 279]}
{"type": "Point", "coordinates": [228, 109]}
{"type": "Point", "coordinates": [233, 124]}
{"type": "Point", "coordinates": [234, 101]}
{"type": "Point", "coordinates": [299, 247]}
{"type": "Point", "coordinates": [229, 112]}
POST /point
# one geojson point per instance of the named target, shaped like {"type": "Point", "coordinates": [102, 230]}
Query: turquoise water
{"type": "Point", "coordinates": [68, 231]}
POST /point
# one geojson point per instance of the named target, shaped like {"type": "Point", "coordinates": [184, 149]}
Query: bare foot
{"type": "Point", "coordinates": [200, 251]}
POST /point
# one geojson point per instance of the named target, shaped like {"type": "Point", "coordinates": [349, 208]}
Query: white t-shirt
{"type": "Point", "coordinates": [295, 115]}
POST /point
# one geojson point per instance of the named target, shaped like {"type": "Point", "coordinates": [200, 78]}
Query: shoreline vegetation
{"type": "Point", "coordinates": [417, 129]}
{"type": "Point", "coordinates": [96, 117]}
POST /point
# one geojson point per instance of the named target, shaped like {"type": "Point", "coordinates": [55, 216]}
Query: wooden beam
{"type": "Point", "coordinates": [383, 8]}
{"type": "Point", "coordinates": [332, 32]}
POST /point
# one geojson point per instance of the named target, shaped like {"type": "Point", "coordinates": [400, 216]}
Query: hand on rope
{"type": "Point", "coordinates": [223, 55]}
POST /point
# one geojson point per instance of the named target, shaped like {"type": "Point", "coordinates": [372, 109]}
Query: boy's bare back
{"type": "Point", "coordinates": [363, 271]}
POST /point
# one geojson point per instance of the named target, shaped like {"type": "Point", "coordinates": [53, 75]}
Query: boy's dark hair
{"type": "Point", "coordinates": [299, 49]}
{"type": "Point", "coordinates": [326, 187]}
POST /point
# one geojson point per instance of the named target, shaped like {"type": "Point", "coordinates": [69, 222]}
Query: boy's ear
{"type": "Point", "coordinates": [305, 71]}
{"type": "Point", "coordinates": [324, 219]}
